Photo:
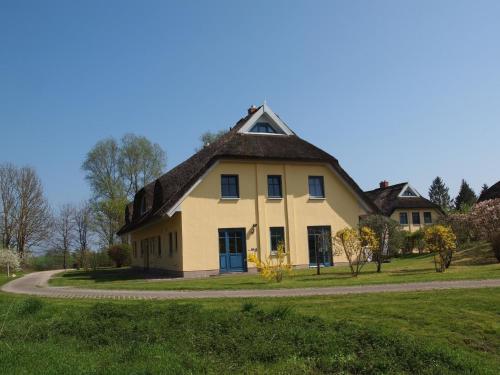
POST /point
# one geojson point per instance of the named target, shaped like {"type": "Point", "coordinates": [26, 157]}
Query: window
{"type": "Point", "coordinates": [159, 246]}
{"type": "Point", "coordinates": [409, 193]}
{"type": "Point", "coordinates": [134, 249]}
{"type": "Point", "coordinates": [316, 187]}
{"type": "Point", "coordinates": [427, 218]}
{"type": "Point", "coordinates": [415, 218]}
{"type": "Point", "coordinates": [170, 244]}
{"type": "Point", "coordinates": [262, 127]}
{"type": "Point", "coordinates": [151, 246]}
{"type": "Point", "coordinates": [142, 208]}
{"type": "Point", "coordinates": [144, 247]}
{"type": "Point", "coordinates": [403, 218]}
{"type": "Point", "coordinates": [277, 237]}
{"type": "Point", "coordinates": [175, 238]}
{"type": "Point", "coordinates": [229, 186]}
{"type": "Point", "coordinates": [274, 187]}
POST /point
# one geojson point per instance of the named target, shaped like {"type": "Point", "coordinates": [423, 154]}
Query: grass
{"type": "Point", "coordinates": [397, 333]}
{"type": "Point", "coordinates": [472, 262]}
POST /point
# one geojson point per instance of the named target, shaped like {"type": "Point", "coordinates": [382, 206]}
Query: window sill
{"type": "Point", "coordinates": [274, 198]}
{"type": "Point", "coordinates": [229, 198]}
{"type": "Point", "coordinates": [317, 198]}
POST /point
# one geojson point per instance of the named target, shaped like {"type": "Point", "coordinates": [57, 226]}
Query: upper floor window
{"type": "Point", "coordinates": [316, 187]}
{"type": "Point", "coordinates": [403, 218]}
{"type": "Point", "coordinates": [427, 218]}
{"type": "Point", "coordinates": [274, 187]}
{"type": "Point", "coordinates": [229, 186]}
{"type": "Point", "coordinates": [262, 127]}
{"type": "Point", "coordinates": [409, 193]}
{"type": "Point", "coordinates": [415, 218]}
{"type": "Point", "coordinates": [277, 237]}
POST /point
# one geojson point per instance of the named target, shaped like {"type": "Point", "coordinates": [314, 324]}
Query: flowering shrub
{"type": "Point", "coordinates": [485, 219]}
{"type": "Point", "coordinates": [441, 241]}
{"type": "Point", "coordinates": [495, 244]}
{"type": "Point", "coordinates": [9, 261]}
{"type": "Point", "coordinates": [275, 266]}
{"type": "Point", "coordinates": [357, 245]}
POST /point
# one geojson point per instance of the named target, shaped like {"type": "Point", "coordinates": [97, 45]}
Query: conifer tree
{"type": "Point", "coordinates": [466, 197]}
{"type": "Point", "coordinates": [439, 194]}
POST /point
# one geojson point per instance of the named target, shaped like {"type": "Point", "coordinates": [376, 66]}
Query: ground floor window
{"type": "Point", "coordinates": [403, 218]}
{"type": "Point", "coordinates": [277, 235]}
{"type": "Point", "coordinates": [415, 218]}
{"type": "Point", "coordinates": [427, 218]}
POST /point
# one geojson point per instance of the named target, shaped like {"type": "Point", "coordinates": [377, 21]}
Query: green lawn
{"type": "Point", "coordinates": [439, 332]}
{"type": "Point", "coordinates": [473, 262]}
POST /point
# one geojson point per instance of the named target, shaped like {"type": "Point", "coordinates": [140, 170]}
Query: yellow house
{"type": "Point", "coordinates": [255, 187]}
{"type": "Point", "coordinates": [402, 203]}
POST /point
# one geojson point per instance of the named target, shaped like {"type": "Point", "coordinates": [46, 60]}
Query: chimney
{"type": "Point", "coordinates": [384, 184]}
{"type": "Point", "coordinates": [252, 109]}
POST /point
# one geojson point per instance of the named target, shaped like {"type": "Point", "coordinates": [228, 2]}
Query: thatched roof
{"type": "Point", "coordinates": [492, 193]}
{"type": "Point", "coordinates": [162, 194]}
{"type": "Point", "coordinates": [387, 199]}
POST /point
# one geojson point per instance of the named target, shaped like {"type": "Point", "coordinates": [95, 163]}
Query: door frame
{"type": "Point", "coordinates": [243, 253]}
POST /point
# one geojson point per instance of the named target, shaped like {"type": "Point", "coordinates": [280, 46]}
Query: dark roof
{"type": "Point", "coordinates": [387, 199]}
{"type": "Point", "coordinates": [233, 145]}
{"type": "Point", "coordinates": [492, 193]}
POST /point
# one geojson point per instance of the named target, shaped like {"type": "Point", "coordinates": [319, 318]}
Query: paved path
{"type": "Point", "coordinates": [37, 284]}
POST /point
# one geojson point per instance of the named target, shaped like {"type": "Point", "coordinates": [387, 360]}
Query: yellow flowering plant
{"type": "Point", "coordinates": [275, 267]}
{"type": "Point", "coordinates": [441, 241]}
{"type": "Point", "coordinates": [358, 245]}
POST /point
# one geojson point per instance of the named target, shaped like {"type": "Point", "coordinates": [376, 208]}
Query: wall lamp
{"type": "Point", "coordinates": [252, 230]}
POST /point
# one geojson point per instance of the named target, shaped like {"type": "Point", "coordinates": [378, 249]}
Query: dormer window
{"type": "Point", "coordinates": [409, 193]}
{"type": "Point", "coordinates": [263, 127]}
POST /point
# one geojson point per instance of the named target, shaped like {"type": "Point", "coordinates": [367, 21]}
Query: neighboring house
{"type": "Point", "coordinates": [256, 186]}
{"type": "Point", "coordinates": [492, 193]}
{"type": "Point", "coordinates": [402, 203]}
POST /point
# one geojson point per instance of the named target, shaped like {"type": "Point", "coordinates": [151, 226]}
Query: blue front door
{"type": "Point", "coordinates": [232, 250]}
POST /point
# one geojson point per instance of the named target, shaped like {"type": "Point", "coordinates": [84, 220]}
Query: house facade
{"type": "Point", "coordinates": [402, 203]}
{"type": "Point", "coordinates": [257, 186]}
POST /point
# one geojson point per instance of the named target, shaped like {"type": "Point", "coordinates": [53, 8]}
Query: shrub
{"type": "Point", "coordinates": [120, 254]}
{"type": "Point", "coordinates": [358, 245]}
{"type": "Point", "coordinates": [495, 244]}
{"type": "Point", "coordinates": [441, 241]}
{"type": "Point", "coordinates": [275, 266]}
{"type": "Point", "coordinates": [9, 261]}
{"type": "Point", "coordinates": [485, 219]}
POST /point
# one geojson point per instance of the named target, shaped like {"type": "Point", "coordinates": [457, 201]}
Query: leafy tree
{"type": "Point", "coordinates": [8, 204]}
{"type": "Point", "coordinates": [389, 237]}
{"type": "Point", "coordinates": [83, 219]}
{"type": "Point", "coordinates": [465, 198]}
{"type": "Point", "coordinates": [441, 241]}
{"type": "Point", "coordinates": [209, 137]}
{"type": "Point", "coordinates": [9, 261]}
{"type": "Point", "coordinates": [358, 245]}
{"type": "Point", "coordinates": [140, 162]}
{"type": "Point", "coordinates": [115, 171]}
{"type": "Point", "coordinates": [439, 194]}
{"type": "Point", "coordinates": [120, 254]}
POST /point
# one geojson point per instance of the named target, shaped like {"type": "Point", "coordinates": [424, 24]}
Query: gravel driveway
{"type": "Point", "coordinates": [37, 284]}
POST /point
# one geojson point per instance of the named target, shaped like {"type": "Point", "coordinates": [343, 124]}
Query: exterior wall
{"type": "Point", "coordinates": [204, 212]}
{"type": "Point", "coordinates": [170, 259]}
{"type": "Point", "coordinates": [435, 215]}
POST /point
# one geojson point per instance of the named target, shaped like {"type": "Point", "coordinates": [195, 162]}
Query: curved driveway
{"type": "Point", "coordinates": [37, 284]}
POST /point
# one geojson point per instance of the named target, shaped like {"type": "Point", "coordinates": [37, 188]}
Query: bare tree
{"type": "Point", "coordinates": [8, 204]}
{"type": "Point", "coordinates": [64, 231]}
{"type": "Point", "coordinates": [32, 218]}
{"type": "Point", "coordinates": [83, 218]}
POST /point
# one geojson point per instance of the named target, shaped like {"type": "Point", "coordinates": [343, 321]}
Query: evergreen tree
{"type": "Point", "coordinates": [466, 197]}
{"type": "Point", "coordinates": [439, 194]}
{"type": "Point", "coordinates": [484, 188]}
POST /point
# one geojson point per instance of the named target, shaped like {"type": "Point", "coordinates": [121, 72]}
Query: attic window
{"type": "Point", "coordinates": [409, 193]}
{"type": "Point", "coordinates": [262, 127]}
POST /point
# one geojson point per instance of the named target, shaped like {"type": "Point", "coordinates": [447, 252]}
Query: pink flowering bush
{"type": "Point", "coordinates": [484, 219]}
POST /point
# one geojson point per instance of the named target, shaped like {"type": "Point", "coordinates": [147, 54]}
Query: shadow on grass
{"type": "Point", "coordinates": [114, 274]}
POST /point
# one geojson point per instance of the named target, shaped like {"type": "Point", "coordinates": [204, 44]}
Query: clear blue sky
{"type": "Point", "coordinates": [396, 90]}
